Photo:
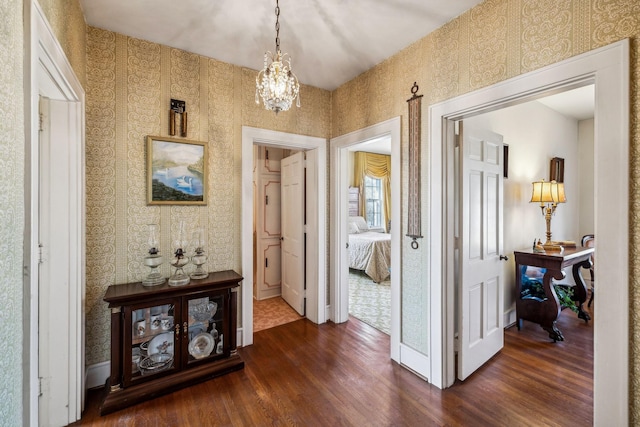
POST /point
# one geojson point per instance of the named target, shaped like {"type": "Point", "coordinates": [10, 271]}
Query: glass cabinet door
{"type": "Point", "coordinates": [153, 342]}
{"type": "Point", "coordinates": [205, 327]}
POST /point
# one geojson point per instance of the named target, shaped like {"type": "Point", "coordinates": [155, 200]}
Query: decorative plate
{"type": "Point", "coordinates": [162, 343]}
{"type": "Point", "coordinates": [201, 345]}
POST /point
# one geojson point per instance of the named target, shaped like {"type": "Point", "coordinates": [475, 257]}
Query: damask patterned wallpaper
{"type": "Point", "coordinates": [68, 24]}
{"type": "Point", "coordinates": [497, 40]}
{"type": "Point", "coordinates": [12, 212]}
{"type": "Point", "coordinates": [129, 86]}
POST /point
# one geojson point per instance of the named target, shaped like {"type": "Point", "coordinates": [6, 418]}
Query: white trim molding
{"type": "Point", "coordinates": [608, 69]}
{"type": "Point", "coordinates": [316, 285]}
{"type": "Point", "coordinates": [48, 73]}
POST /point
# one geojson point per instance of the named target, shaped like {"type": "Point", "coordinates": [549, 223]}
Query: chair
{"type": "Point", "coordinates": [589, 241]}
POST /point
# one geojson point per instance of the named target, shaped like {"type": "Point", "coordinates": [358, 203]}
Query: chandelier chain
{"type": "Point", "coordinates": [277, 26]}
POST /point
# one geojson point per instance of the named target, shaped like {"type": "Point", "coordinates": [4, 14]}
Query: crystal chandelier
{"type": "Point", "coordinates": [276, 83]}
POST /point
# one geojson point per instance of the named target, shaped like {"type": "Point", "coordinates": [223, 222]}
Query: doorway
{"type": "Point", "coordinates": [278, 260]}
{"type": "Point", "coordinates": [369, 238]}
{"type": "Point", "coordinates": [339, 222]}
{"type": "Point", "coordinates": [536, 131]}
{"type": "Point", "coordinates": [315, 273]}
{"type": "Point", "coordinates": [608, 69]}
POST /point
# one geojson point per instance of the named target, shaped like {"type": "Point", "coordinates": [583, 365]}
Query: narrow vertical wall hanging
{"type": "Point", "coordinates": [413, 220]}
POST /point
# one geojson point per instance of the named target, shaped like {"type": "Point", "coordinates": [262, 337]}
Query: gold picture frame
{"type": "Point", "coordinates": [176, 171]}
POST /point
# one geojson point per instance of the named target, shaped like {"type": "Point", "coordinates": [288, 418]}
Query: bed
{"type": "Point", "coordinates": [369, 251]}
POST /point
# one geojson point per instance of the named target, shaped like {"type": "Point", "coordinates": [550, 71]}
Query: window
{"type": "Point", "coordinates": [373, 198]}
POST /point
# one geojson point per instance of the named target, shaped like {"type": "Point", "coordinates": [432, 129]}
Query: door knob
{"type": "Point", "coordinates": [503, 257]}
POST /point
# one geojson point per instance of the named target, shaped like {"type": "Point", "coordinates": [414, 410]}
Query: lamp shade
{"type": "Point", "coordinates": [548, 192]}
{"type": "Point", "coordinates": [557, 192]}
{"type": "Point", "coordinates": [541, 192]}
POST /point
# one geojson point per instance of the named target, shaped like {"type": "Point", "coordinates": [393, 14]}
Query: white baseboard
{"type": "Point", "coordinates": [239, 338]}
{"type": "Point", "coordinates": [96, 375]}
{"type": "Point", "coordinates": [415, 361]}
{"type": "Point", "coordinates": [509, 318]}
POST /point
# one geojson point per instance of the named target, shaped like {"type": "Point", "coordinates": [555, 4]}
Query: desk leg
{"type": "Point", "coordinates": [550, 309]}
{"type": "Point", "coordinates": [518, 296]}
{"type": "Point", "coordinates": [580, 293]}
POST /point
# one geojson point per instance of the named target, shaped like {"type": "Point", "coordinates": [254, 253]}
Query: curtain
{"type": "Point", "coordinates": [376, 166]}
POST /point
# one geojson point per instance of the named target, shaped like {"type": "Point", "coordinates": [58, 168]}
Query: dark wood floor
{"type": "Point", "coordinates": [341, 375]}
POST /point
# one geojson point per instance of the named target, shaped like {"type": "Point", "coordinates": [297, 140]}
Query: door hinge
{"type": "Point", "coordinates": [456, 343]}
{"type": "Point", "coordinates": [456, 140]}
{"type": "Point", "coordinates": [266, 154]}
{"type": "Point", "coordinates": [41, 120]}
{"type": "Point", "coordinates": [266, 199]}
{"type": "Point", "coordinates": [40, 253]}
{"type": "Point", "coordinates": [266, 263]}
{"type": "Point", "coordinates": [456, 243]}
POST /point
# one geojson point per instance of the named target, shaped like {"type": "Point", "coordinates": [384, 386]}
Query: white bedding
{"type": "Point", "coordinates": [371, 252]}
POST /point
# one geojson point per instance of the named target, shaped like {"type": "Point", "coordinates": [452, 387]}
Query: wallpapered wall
{"type": "Point", "coordinates": [129, 85]}
{"type": "Point", "coordinates": [492, 42]}
{"type": "Point", "coordinates": [12, 211]}
{"type": "Point", "coordinates": [68, 25]}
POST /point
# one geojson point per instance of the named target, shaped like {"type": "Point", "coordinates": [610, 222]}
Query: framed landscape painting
{"type": "Point", "coordinates": [176, 171]}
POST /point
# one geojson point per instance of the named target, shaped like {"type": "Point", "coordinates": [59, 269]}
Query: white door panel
{"type": "Point", "coordinates": [292, 213]}
{"type": "Point", "coordinates": [58, 326]}
{"type": "Point", "coordinates": [481, 282]}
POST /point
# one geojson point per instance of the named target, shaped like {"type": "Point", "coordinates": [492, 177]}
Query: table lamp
{"type": "Point", "coordinates": [548, 194]}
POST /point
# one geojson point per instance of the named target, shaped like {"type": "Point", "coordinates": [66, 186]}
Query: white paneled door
{"type": "Point", "coordinates": [293, 216]}
{"type": "Point", "coordinates": [481, 324]}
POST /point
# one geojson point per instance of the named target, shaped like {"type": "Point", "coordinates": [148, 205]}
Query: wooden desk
{"type": "Point", "coordinates": [546, 312]}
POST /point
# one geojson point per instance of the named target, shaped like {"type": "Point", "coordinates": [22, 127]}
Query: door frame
{"type": "Point", "coordinates": [49, 74]}
{"type": "Point", "coordinates": [316, 221]}
{"type": "Point", "coordinates": [608, 69]}
{"type": "Point", "coordinates": [339, 290]}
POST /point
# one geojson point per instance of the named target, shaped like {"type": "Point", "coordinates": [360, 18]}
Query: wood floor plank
{"type": "Point", "coordinates": [301, 374]}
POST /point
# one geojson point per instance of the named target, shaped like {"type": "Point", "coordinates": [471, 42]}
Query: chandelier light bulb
{"type": "Point", "coordinates": [276, 83]}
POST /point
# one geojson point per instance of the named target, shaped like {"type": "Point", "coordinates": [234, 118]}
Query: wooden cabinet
{"type": "Point", "coordinates": [164, 338]}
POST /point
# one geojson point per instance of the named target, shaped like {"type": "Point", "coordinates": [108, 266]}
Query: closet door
{"type": "Point", "coordinates": [293, 238]}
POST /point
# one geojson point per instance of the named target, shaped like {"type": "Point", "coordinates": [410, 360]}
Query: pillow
{"type": "Point", "coordinates": [360, 223]}
{"type": "Point", "coordinates": [353, 228]}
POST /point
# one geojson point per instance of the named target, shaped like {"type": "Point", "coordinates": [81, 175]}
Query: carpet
{"type": "Point", "coordinates": [272, 312]}
{"type": "Point", "coordinates": [370, 302]}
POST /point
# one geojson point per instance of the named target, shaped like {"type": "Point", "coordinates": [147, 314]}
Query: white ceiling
{"type": "Point", "coordinates": [330, 41]}
{"type": "Point", "coordinates": [380, 145]}
{"type": "Point", "coordinates": [577, 103]}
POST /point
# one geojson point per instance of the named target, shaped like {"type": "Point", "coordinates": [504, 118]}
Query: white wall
{"type": "Point", "coordinates": [535, 134]}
